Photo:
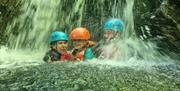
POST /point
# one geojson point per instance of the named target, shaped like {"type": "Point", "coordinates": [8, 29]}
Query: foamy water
{"type": "Point", "coordinates": [18, 58]}
{"type": "Point", "coordinates": [21, 58]}
{"type": "Point", "coordinates": [132, 51]}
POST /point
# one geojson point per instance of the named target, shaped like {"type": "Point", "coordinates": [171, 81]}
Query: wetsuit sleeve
{"type": "Point", "coordinates": [51, 56]}
{"type": "Point", "coordinates": [47, 57]}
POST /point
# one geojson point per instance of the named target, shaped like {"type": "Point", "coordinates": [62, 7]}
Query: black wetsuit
{"type": "Point", "coordinates": [52, 55]}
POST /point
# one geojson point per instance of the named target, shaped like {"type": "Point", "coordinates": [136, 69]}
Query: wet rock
{"type": "Point", "coordinates": [68, 76]}
{"type": "Point", "coordinates": [163, 18]}
{"type": "Point", "coordinates": [8, 10]}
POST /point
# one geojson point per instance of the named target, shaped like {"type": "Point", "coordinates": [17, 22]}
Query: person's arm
{"type": "Point", "coordinates": [51, 56]}
{"type": "Point", "coordinates": [47, 58]}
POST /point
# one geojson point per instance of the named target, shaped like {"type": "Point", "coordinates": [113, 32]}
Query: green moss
{"type": "Point", "coordinates": [71, 77]}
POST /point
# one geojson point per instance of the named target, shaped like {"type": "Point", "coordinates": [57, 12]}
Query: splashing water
{"type": "Point", "coordinates": [137, 66]}
{"type": "Point", "coordinates": [34, 25]}
{"type": "Point", "coordinates": [18, 58]}
{"type": "Point", "coordinates": [41, 17]}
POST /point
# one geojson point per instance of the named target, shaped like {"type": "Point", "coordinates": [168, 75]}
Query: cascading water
{"type": "Point", "coordinates": [34, 24]}
{"type": "Point", "coordinates": [41, 17]}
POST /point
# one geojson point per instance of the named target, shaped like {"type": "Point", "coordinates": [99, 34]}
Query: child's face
{"type": "Point", "coordinates": [109, 34]}
{"type": "Point", "coordinates": [78, 44]}
{"type": "Point", "coordinates": [61, 46]}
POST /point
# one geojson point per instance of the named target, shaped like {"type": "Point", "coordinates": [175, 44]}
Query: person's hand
{"type": "Point", "coordinates": [49, 61]}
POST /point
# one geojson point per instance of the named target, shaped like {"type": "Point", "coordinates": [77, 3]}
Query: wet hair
{"type": "Point", "coordinates": [53, 43]}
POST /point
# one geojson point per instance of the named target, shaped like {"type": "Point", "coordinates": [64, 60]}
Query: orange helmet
{"type": "Point", "coordinates": [79, 33]}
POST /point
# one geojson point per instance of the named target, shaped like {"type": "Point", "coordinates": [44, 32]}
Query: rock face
{"type": "Point", "coordinates": [159, 21]}
{"type": "Point", "coordinates": [8, 10]}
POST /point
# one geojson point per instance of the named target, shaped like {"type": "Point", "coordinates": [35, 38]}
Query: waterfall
{"type": "Point", "coordinates": [31, 29]}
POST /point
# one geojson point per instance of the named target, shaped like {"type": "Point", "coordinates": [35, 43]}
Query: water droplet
{"type": "Point", "coordinates": [147, 27]}
{"type": "Point", "coordinates": [153, 16]}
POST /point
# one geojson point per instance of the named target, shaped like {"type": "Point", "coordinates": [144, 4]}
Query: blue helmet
{"type": "Point", "coordinates": [113, 24]}
{"type": "Point", "coordinates": [57, 35]}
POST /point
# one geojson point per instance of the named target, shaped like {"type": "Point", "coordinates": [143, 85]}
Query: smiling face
{"type": "Point", "coordinates": [79, 44]}
{"type": "Point", "coordinates": [109, 34]}
{"type": "Point", "coordinates": [61, 46]}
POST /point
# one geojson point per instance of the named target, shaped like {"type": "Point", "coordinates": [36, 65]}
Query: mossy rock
{"type": "Point", "coordinates": [90, 77]}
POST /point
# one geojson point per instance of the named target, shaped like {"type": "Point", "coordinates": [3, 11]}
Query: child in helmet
{"type": "Point", "coordinates": [58, 47]}
{"type": "Point", "coordinates": [80, 39]}
{"type": "Point", "coordinates": [112, 28]}
{"type": "Point", "coordinates": [107, 48]}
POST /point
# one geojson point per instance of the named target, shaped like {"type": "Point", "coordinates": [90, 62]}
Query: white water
{"type": "Point", "coordinates": [30, 45]}
{"type": "Point", "coordinates": [19, 58]}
